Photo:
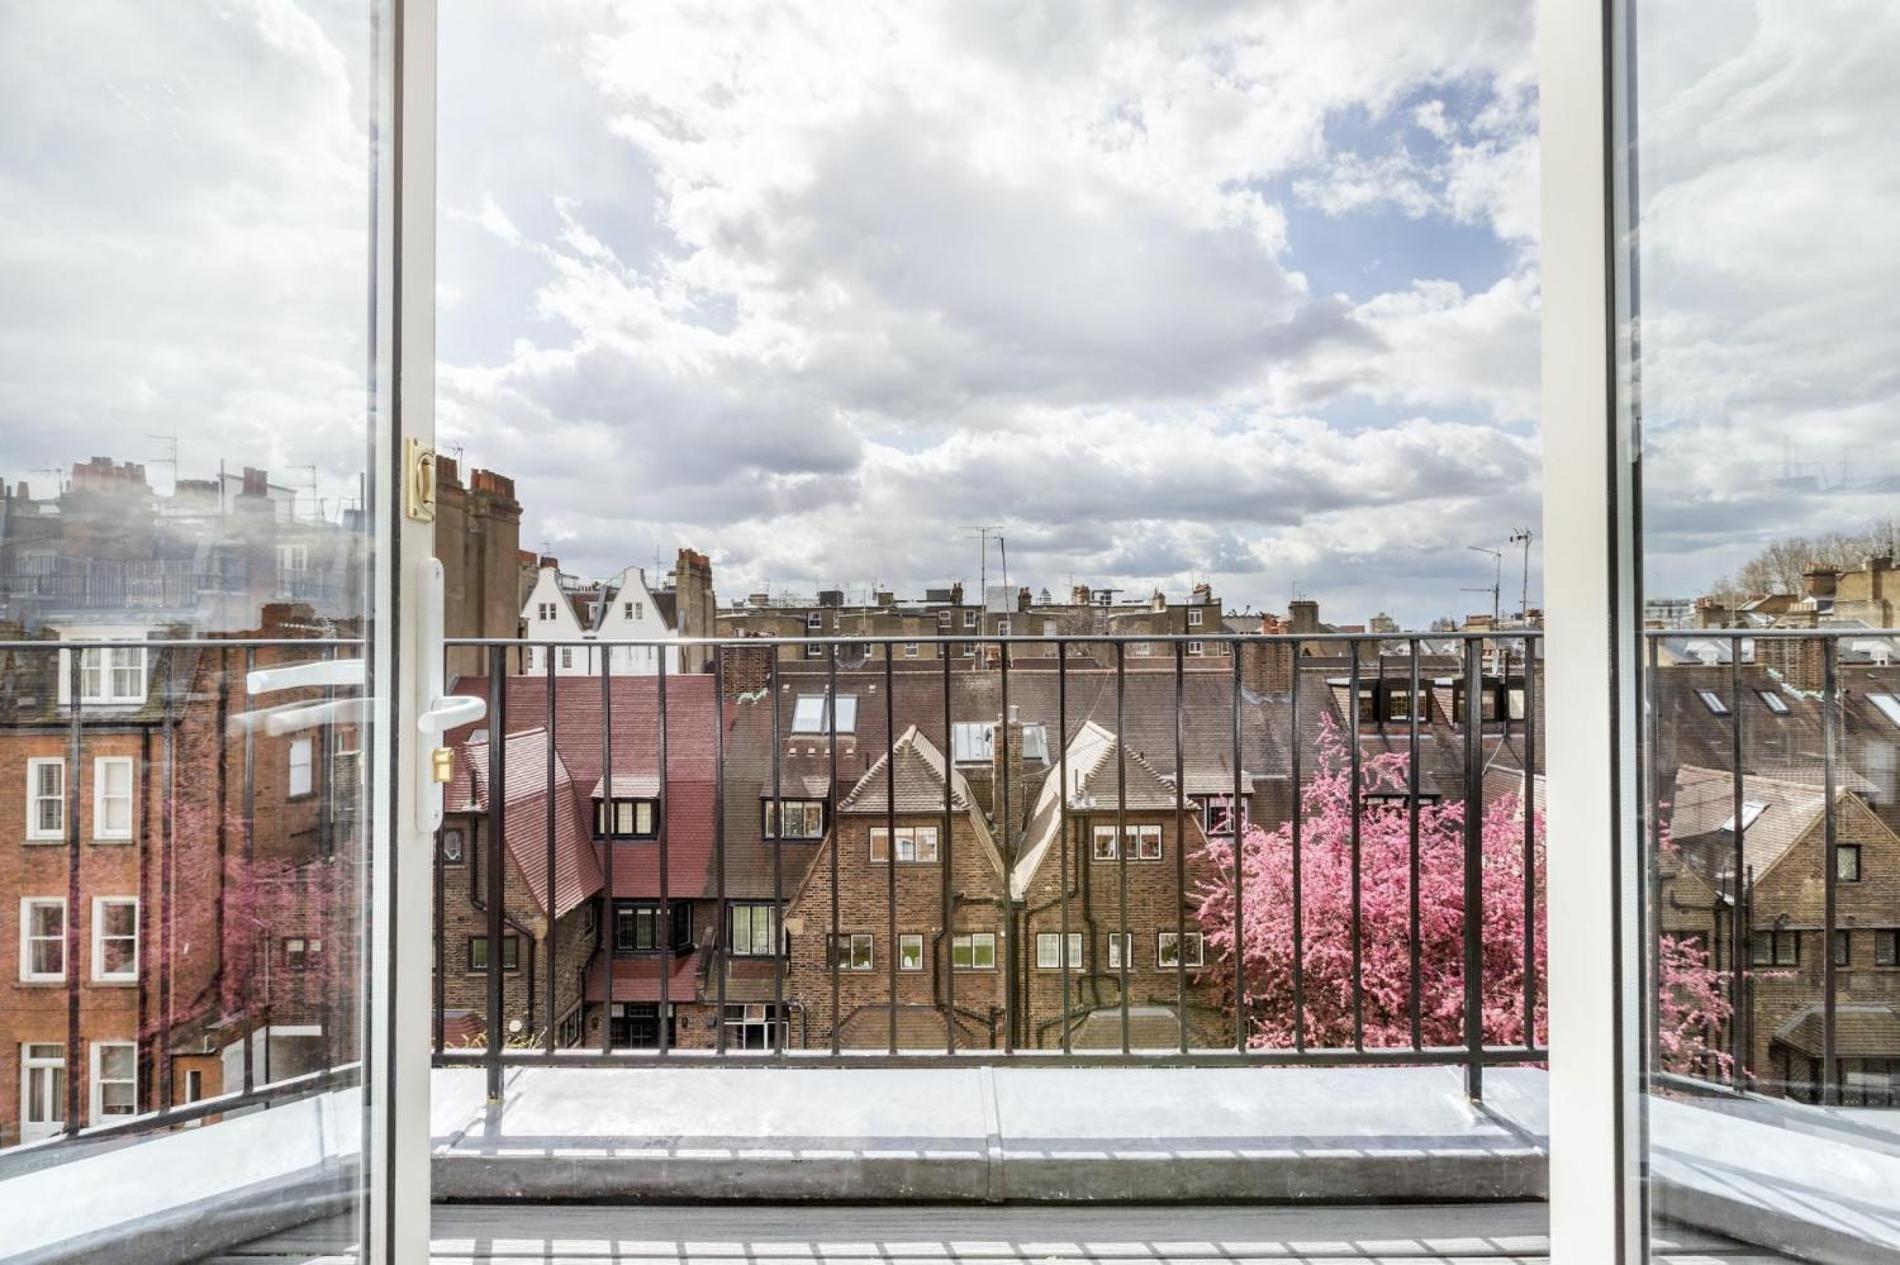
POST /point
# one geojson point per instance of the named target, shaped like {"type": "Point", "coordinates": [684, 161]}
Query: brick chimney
{"type": "Point", "coordinates": [1266, 667]}
{"type": "Point", "coordinates": [1006, 756]}
{"type": "Point", "coordinates": [1079, 595]}
{"type": "Point", "coordinates": [1819, 581]}
{"type": "Point", "coordinates": [695, 607]}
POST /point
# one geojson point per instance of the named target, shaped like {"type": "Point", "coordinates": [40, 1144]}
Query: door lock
{"type": "Point", "coordinates": [442, 764]}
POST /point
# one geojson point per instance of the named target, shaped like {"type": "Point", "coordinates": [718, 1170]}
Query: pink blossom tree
{"type": "Point", "coordinates": [1693, 1007]}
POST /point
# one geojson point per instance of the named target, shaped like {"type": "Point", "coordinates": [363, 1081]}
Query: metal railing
{"type": "Point", "coordinates": [1734, 669]}
{"type": "Point", "coordinates": [1266, 694]}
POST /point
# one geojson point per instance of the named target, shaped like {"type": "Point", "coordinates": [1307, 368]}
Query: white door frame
{"type": "Point", "coordinates": [1596, 972]}
{"type": "Point", "coordinates": [396, 1134]}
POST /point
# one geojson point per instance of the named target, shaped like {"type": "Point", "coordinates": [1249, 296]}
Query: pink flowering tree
{"type": "Point", "coordinates": [1693, 1006]}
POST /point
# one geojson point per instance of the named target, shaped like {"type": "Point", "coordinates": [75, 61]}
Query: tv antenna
{"type": "Point", "coordinates": [983, 535]}
{"type": "Point", "coordinates": [1522, 537]}
{"type": "Point", "coordinates": [1497, 579]}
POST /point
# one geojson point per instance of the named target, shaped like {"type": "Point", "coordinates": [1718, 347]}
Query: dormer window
{"type": "Point", "coordinates": [803, 818]}
{"type": "Point", "coordinates": [626, 819]}
{"type": "Point", "coordinates": [113, 674]}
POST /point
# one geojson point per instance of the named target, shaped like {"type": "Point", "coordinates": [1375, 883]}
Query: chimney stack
{"type": "Point", "coordinates": [1006, 757]}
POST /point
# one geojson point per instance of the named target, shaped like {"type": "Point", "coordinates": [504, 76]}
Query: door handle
{"type": "Point", "coordinates": [437, 711]}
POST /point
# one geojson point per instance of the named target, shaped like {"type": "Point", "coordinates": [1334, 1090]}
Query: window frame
{"type": "Point", "coordinates": [1117, 945]}
{"type": "Point", "coordinates": [101, 799]}
{"type": "Point", "coordinates": [967, 942]}
{"type": "Point", "coordinates": [772, 812]}
{"type": "Point", "coordinates": [879, 833]}
{"type": "Point", "coordinates": [28, 939]}
{"type": "Point", "coordinates": [773, 923]}
{"type": "Point", "coordinates": [650, 912]}
{"type": "Point", "coordinates": [1887, 947]}
{"type": "Point", "coordinates": [844, 952]}
{"type": "Point", "coordinates": [1052, 941]}
{"type": "Point", "coordinates": [1197, 939]}
{"type": "Point", "coordinates": [36, 833]}
{"type": "Point", "coordinates": [509, 940]}
{"type": "Point", "coordinates": [905, 941]}
{"type": "Point", "coordinates": [1843, 852]}
{"type": "Point", "coordinates": [97, 1081]}
{"type": "Point", "coordinates": [306, 747]}
{"type": "Point", "coordinates": [607, 815]}
{"type": "Point", "coordinates": [99, 939]}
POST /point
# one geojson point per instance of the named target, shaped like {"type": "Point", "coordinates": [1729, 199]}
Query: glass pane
{"type": "Point", "coordinates": [1759, 324]}
{"type": "Point", "coordinates": [188, 410]}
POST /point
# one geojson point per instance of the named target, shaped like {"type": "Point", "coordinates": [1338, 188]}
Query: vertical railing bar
{"type": "Point", "coordinates": [1064, 841]}
{"type": "Point", "coordinates": [497, 878]}
{"type": "Point", "coordinates": [837, 839]}
{"type": "Point", "coordinates": [777, 844]}
{"type": "Point", "coordinates": [663, 806]}
{"type": "Point", "coordinates": [250, 880]}
{"type": "Point", "coordinates": [1011, 1017]}
{"type": "Point", "coordinates": [438, 1037]}
{"type": "Point", "coordinates": [604, 826]}
{"type": "Point", "coordinates": [167, 878]}
{"type": "Point", "coordinates": [1299, 895]}
{"type": "Point", "coordinates": [1121, 826]}
{"type": "Point", "coordinates": [1240, 957]}
{"type": "Point", "coordinates": [890, 840]}
{"type": "Point", "coordinates": [1530, 841]}
{"type": "Point", "coordinates": [1649, 766]}
{"type": "Point", "coordinates": [722, 939]}
{"type": "Point", "coordinates": [1830, 702]}
{"type": "Point", "coordinates": [75, 745]}
{"type": "Point", "coordinates": [945, 941]}
{"type": "Point", "coordinates": [1416, 950]}
{"type": "Point", "coordinates": [549, 858]}
{"type": "Point", "coordinates": [1474, 892]}
{"type": "Point", "coordinates": [1738, 932]}
{"type": "Point", "coordinates": [1353, 829]}
{"type": "Point", "coordinates": [1180, 838]}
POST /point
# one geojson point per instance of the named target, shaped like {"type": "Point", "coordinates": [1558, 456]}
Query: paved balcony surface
{"type": "Point", "coordinates": [1060, 1135]}
{"type": "Point", "coordinates": [1494, 1234]}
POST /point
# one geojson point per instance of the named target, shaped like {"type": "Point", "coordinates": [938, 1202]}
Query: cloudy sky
{"type": "Point", "coordinates": [1244, 291]}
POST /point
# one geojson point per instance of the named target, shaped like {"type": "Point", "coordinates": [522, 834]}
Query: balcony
{"type": "Point", "coordinates": [1384, 1047]}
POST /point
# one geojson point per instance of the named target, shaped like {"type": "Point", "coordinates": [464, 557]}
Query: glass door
{"type": "Point", "coordinates": [200, 532]}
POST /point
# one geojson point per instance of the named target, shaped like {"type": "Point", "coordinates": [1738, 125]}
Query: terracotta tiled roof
{"type": "Point", "coordinates": [577, 876]}
{"type": "Point", "coordinates": [638, 979]}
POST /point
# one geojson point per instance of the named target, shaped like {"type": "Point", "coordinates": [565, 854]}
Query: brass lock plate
{"type": "Point", "coordinates": [418, 481]}
{"type": "Point", "coordinates": [441, 764]}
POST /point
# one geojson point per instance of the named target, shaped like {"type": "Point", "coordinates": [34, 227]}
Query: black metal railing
{"type": "Point", "coordinates": [1268, 693]}
{"type": "Point", "coordinates": [1807, 708]}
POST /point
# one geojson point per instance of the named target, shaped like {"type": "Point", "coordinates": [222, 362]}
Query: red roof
{"type": "Point", "coordinates": [692, 715]}
{"type": "Point", "coordinates": [638, 979]}
{"type": "Point", "coordinates": [525, 757]}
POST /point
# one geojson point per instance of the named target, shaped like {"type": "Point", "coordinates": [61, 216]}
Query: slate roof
{"type": "Point", "coordinates": [1703, 804]}
{"type": "Point", "coordinates": [1862, 1030]}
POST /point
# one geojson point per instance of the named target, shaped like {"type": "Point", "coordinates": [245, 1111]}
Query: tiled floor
{"type": "Point", "coordinates": [516, 1234]}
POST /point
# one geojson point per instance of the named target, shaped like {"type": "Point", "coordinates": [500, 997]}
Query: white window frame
{"type": "Point", "coordinates": [55, 1094]}
{"type": "Point", "coordinates": [109, 676]}
{"type": "Point", "coordinates": [1120, 944]}
{"type": "Point", "coordinates": [969, 941]}
{"type": "Point", "coordinates": [906, 942]}
{"type": "Point", "coordinates": [844, 952]}
{"type": "Point", "coordinates": [27, 939]}
{"type": "Point", "coordinates": [1196, 648]}
{"type": "Point", "coordinates": [1194, 616]}
{"type": "Point", "coordinates": [101, 800]}
{"type": "Point", "coordinates": [99, 973]}
{"type": "Point", "coordinates": [1047, 945]}
{"type": "Point", "coordinates": [96, 1086]}
{"type": "Point", "coordinates": [1197, 949]}
{"type": "Point", "coordinates": [300, 777]}
{"type": "Point", "coordinates": [34, 798]}
{"type": "Point", "coordinates": [752, 947]}
{"type": "Point", "coordinates": [921, 841]}
{"type": "Point", "coordinates": [910, 650]}
{"type": "Point", "coordinates": [969, 619]}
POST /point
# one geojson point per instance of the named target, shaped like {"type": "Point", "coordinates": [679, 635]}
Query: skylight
{"type": "Point", "coordinates": [808, 715]}
{"type": "Point", "coordinates": [1774, 702]}
{"type": "Point", "coordinates": [1713, 701]}
{"type": "Point", "coordinates": [1751, 810]}
{"type": "Point", "coordinates": [1889, 706]}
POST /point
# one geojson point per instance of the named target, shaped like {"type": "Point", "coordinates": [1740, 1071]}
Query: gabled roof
{"type": "Point", "coordinates": [1776, 815]}
{"type": "Point", "coordinates": [917, 764]}
{"type": "Point", "coordinates": [577, 876]}
{"type": "Point", "coordinates": [1862, 1030]}
{"type": "Point", "coordinates": [1094, 768]}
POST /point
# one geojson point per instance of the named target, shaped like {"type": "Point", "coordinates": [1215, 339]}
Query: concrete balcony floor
{"type": "Point", "coordinates": [515, 1234]}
